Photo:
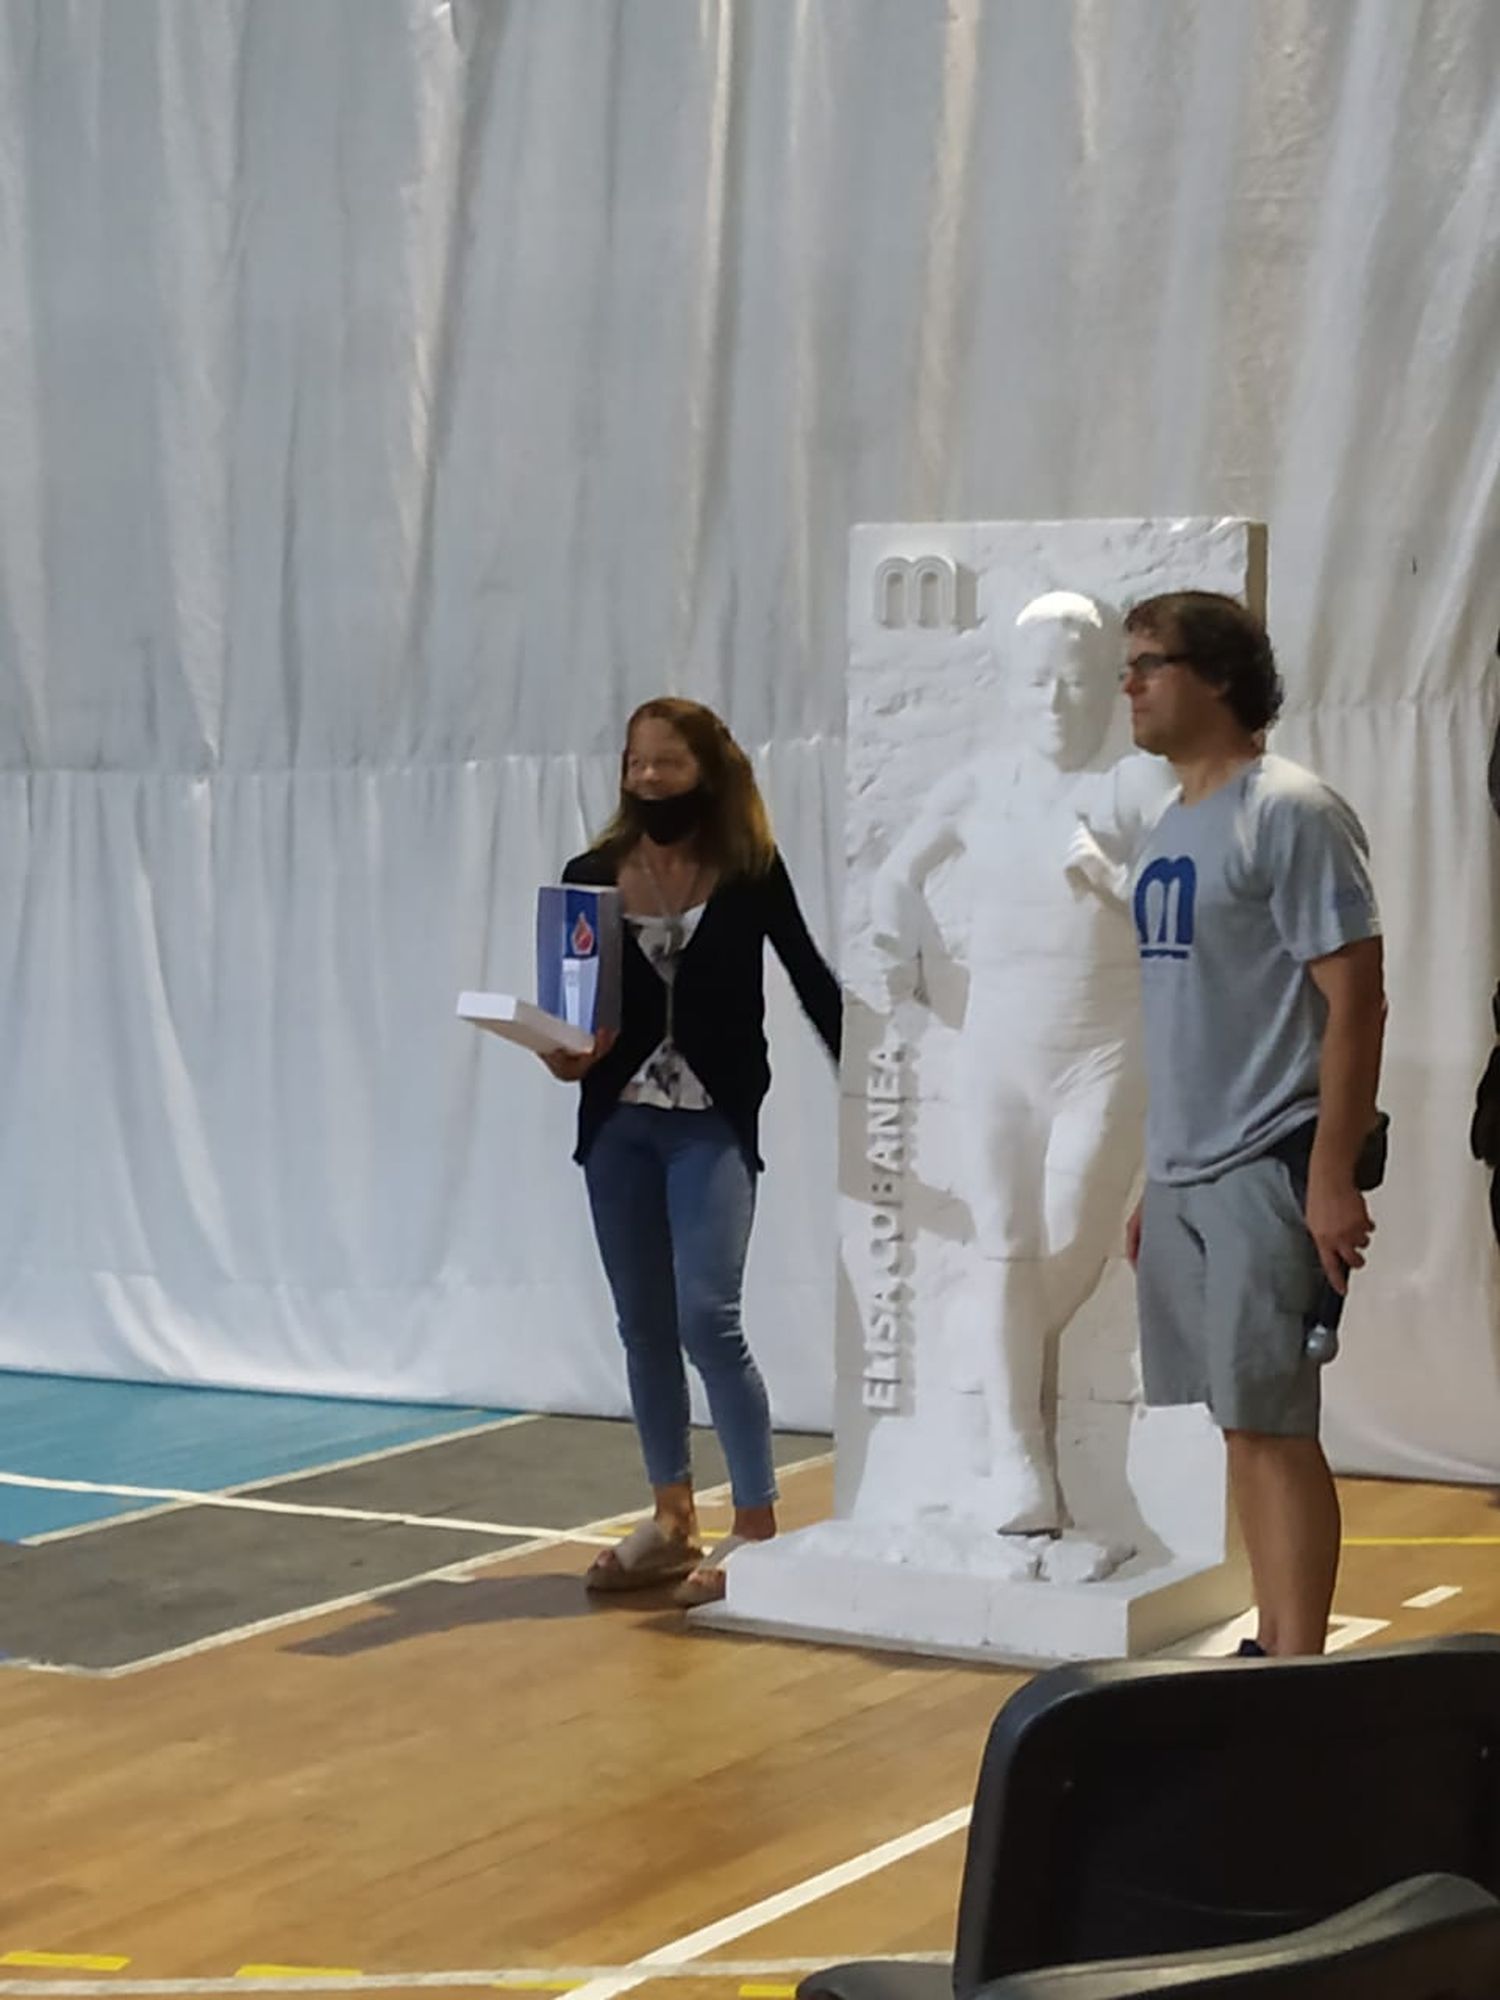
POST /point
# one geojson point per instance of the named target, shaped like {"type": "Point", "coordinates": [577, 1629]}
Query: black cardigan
{"type": "Point", "coordinates": [719, 1003]}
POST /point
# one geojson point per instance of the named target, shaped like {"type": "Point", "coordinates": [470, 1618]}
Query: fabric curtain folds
{"type": "Point", "coordinates": [394, 394]}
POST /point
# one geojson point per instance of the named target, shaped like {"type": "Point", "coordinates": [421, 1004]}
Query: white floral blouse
{"type": "Point", "coordinates": [664, 1079]}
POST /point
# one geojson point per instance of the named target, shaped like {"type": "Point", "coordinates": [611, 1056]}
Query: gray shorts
{"type": "Point", "coordinates": [1226, 1279]}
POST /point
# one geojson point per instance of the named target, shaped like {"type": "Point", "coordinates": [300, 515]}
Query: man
{"type": "Point", "coordinates": [1484, 1131]}
{"type": "Point", "coordinates": [1264, 1011]}
{"type": "Point", "coordinates": [1041, 838]}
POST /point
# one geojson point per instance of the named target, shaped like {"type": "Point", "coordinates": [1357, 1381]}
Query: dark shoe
{"type": "Point", "coordinates": [1250, 1649]}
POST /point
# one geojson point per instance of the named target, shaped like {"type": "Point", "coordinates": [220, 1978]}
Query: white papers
{"type": "Point", "coordinates": [518, 1021]}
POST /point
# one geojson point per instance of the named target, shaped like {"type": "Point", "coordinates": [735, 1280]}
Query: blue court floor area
{"type": "Point", "coordinates": [195, 1440]}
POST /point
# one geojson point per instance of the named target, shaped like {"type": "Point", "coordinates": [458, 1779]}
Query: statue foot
{"type": "Point", "coordinates": [1081, 1559]}
{"type": "Point", "coordinates": [1024, 1501]}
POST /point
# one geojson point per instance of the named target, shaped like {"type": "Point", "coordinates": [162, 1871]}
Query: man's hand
{"type": "Point", "coordinates": [568, 1068]}
{"type": "Point", "coordinates": [1133, 1234]}
{"type": "Point", "coordinates": [1338, 1219]}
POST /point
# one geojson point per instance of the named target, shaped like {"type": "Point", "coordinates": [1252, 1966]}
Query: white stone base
{"type": "Point", "coordinates": [843, 1583]}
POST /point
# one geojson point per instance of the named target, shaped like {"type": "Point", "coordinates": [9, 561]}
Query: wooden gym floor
{"type": "Point", "coordinates": [323, 1707]}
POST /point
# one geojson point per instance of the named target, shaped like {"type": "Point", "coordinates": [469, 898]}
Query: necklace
{"type": "Point", "coordinates": [676, 929]}
{"type": "Point", "coordinates": [676, 935]}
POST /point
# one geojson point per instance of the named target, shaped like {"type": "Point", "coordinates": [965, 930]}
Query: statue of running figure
{"type": "Point", "coordinates": [1049, 1078]}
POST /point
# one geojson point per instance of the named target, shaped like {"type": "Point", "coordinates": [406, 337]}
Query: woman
{"type": "Point", "coordinates": [670, 1105]}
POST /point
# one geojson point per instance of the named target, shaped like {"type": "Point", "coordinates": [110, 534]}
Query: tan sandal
{"type": "Point", "coordinates": [706, 1583]}
{"type": "Point", "coordinates": [647, 1556]}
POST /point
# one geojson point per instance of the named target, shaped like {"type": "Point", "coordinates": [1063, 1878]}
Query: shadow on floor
{"type": "Point", "coordinates": [430, 1608]}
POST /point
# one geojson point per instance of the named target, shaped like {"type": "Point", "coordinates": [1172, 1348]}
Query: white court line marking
{"type": "Point", "coordinates": [183, 1497]}
{"type": "Point", "coordinates": [390, 1451]}
{"type": "Point", "coordinates": [1343, 1632]}
{"type": "Point", "coordinates": [1219, 1641]}
{"type": "Point", "coordinates": [686, 1950]}
{"type": "Point", "coordinates": [281, 1479]}
{"type": "Point", "coordinates": [244, 1499]}
{"type": "Point", "coordinates": [711, 1495]}
{"type": "Point", "coordinates": [459, 1572]}
{"type": "Point", "coordinates": [92, 1527]}
{"type": "Point", "coordinates": [375, 1982]}
{"type": "Point", "coordinates": [1425, 1599]}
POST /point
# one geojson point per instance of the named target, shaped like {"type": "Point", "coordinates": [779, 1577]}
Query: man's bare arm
{"type": "Point", "coordinates": [1352, 982]}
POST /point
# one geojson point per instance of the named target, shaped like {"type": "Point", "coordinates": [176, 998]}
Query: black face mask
{"type": "Point", "coordinates": [666, 821]}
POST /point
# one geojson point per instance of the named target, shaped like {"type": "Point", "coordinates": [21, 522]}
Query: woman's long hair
{"type": "Point", "coordinates": [735, 833]}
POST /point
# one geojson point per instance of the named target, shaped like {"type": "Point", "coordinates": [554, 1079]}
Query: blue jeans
{"type": "Point", "coordinates": [673, 1197]}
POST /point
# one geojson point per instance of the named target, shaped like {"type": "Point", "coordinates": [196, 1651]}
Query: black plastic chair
{"type": "Point", "coordinates": [1170, 1806]}
{"type": "Point", "coordinates": [1433, 1938]}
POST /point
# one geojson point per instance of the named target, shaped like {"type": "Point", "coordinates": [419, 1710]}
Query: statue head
{"type": "Point", "coordinates": [1064, 676]}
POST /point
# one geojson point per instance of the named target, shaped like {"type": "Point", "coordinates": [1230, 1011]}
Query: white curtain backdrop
{"type": "Point", "coordinates": [392, 394]}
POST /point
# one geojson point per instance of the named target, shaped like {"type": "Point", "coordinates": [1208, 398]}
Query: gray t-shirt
{"type": "Point", "coordinates": [1233, 898]}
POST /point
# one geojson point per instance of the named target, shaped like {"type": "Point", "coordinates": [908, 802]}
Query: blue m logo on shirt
{"type": "Point", "coordinates": [1164, 898]}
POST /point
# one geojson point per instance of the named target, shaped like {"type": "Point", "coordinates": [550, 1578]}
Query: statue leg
{"type": "Point", "coordinates": [1009, 1433]}
{"type": "Point", "coordinates": [999, 1320]}
{"type": "Point", "coordinates": [1046, 1235]}
{"type": "Point", "coordinates": [1093, 1157]}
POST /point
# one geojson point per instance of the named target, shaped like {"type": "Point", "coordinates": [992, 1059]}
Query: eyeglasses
{"type": "Point", "coordinates": [1145, 665]}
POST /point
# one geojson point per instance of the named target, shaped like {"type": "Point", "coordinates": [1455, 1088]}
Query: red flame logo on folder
{"type": "Point", "coordinates": [582, 942]}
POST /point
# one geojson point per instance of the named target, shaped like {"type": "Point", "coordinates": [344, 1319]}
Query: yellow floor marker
{"type": "Point", "coordinates": [299, 1972]}
{"type": "Point", "coordinates": [1422, 1541]}
{"type": "Point", "coordinates": [64, 1961]}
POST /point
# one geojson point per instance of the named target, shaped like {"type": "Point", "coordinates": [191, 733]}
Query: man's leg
{"type": "Point", "coordinates": [1288, 1511]}
{"type": "Point", "coordinates": [1262, 1280]}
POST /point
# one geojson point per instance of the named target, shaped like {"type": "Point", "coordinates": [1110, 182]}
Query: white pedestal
{"type": "Point", "coordinates": [949, 1593]}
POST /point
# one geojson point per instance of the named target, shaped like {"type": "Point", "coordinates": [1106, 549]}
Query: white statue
{"type": "Point", "coordinates": [1048, 1073]}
